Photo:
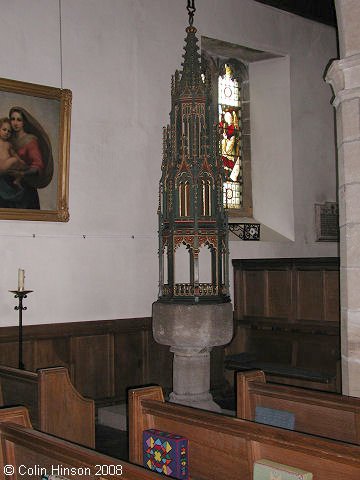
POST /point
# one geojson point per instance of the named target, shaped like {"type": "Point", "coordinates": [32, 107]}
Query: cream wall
{"type": "Point", "coordinates": [117, 58]}
{"type": "Point", "coordinates": [271, 145]}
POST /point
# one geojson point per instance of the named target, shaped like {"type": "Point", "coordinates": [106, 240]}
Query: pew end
{"type": "Point", "coordinates": [243, 405]}
{"type": "Point", "coordinates": [33, 454]}
{"type": "Point", "coordinates": [54, 405]}
{"type": "Point", "coordinates": [18, 415]}
{"type": "Point", "coordinates": [138, 423]}
{"type": "Point", "coordinates": [74, 417]}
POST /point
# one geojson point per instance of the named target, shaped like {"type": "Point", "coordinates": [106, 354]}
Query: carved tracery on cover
{"type": "Point", "coordinates": [186, 240]}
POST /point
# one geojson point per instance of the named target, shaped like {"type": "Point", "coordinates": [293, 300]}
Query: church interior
{"type": "Point", "coordinates": [204, 297]}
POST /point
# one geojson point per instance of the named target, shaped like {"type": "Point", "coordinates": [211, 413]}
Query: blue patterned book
{"type": "Point", "coordinates": [166, 453]}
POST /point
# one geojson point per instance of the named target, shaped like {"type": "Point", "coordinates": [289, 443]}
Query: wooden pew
{"type": "Point", "coordinates": [226, 447]}
{"type": "Point", "coordinates": [287, 321]}
{"type": "Point", "coordinates": [320, 413]}
{"type": "Point", "coordinates": [32, 454]}
{"type": "Point", "coordinates": [54, 405]}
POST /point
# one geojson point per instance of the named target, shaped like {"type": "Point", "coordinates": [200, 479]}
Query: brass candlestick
{"type": "Point", "coordinates": [20, 294]}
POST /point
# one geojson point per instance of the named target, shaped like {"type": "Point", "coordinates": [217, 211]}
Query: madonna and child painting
{"type": "Point", "coordinates": [34, 151]}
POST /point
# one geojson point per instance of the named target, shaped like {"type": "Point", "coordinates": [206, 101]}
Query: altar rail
{"type": "Point", "coordinates": [227, 447]}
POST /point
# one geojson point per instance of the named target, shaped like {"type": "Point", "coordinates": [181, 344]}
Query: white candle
{"type": "Point", "coordinates": [21, 279]}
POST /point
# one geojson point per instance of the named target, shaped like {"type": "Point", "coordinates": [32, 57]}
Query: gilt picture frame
{"type": "Point", "coordinates": [35, 123]}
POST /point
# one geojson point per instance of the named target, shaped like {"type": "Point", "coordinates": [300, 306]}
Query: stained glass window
{"type": "Point", "coordinates": [229, 104]}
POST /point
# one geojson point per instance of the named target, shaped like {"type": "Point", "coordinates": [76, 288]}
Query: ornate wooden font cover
{"type": "Point", "coordinates": [191, 212]}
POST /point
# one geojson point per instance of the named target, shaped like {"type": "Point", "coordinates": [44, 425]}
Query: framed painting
{"type": "Point", "coordinates": [34, 151]}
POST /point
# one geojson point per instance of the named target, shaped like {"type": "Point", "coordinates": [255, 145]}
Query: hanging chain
{"type": "Point", "coordinates": [191, 10]}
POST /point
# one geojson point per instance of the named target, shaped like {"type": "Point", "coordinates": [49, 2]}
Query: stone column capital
{"type": "Point", "coordinates": [344, 77]}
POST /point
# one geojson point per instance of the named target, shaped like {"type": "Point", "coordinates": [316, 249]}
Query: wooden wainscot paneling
{"type": "Point", "coordinates": [287, 288]}
{"type": "Point", "coordinates": [9, 351]}
{"type": "Point", "coordinates": [331, 282]}
{"type": "Point", "coordinates": [159, 363]}
{"type": "Point", "coordinates": [279, 296]}
{"type": "Point", "coordinates": [51, 352]}
{"type": "Point", "coordinates": [287, 313]}
{"type": "Point", "coordinates": [104, 358]}
{"type": "Point", "coordinates": [92, 357]}
{"type": "Point", "coordinates": [129, 350]}
{"type": "Point", "coordinates": [254, 293]}
{"type": "Point", "coordinates": [310, 296]}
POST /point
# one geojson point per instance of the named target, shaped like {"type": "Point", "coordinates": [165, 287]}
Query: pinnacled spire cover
{"type": "Point", "coordinates": [191, 72]}
{"type": "Point", "coordinates": [191, 211]}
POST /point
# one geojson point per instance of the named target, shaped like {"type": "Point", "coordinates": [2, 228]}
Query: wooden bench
{"type": "Point", "coordinates": [54, 405]}
{"type": "Point", "coordinates": [227, 447]}
{"type": "Point", "coordinates": [33, 454]}
{"type": "Point", "coordinates": [327, 414]}
{"type": "Point", "coordinates": [286, 374]}
{"type": "Point", "coordinates": [287, 318]}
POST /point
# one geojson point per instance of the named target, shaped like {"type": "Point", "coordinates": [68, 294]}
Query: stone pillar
{"type": "Point", "coordinates": [344, 77]}
{"type": "Point", "coordinates": [191, 331]}
{"type": "Point", "coordinates": [191, 377]}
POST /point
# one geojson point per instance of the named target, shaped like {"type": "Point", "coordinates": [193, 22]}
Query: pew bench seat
{"type": "Point", "coordinates": [31, 455]}
{"type": "Point", "coordinates": [283, 373]}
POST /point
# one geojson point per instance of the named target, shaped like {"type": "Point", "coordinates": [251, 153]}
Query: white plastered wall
{"type": "Point", "coordinates": [271, 147]}
{"type": "Point", "coordinates": [117, 58]}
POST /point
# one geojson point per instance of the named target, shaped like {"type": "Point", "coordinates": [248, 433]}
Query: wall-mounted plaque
{"type": "Point", "coordinates": [327, 222]}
